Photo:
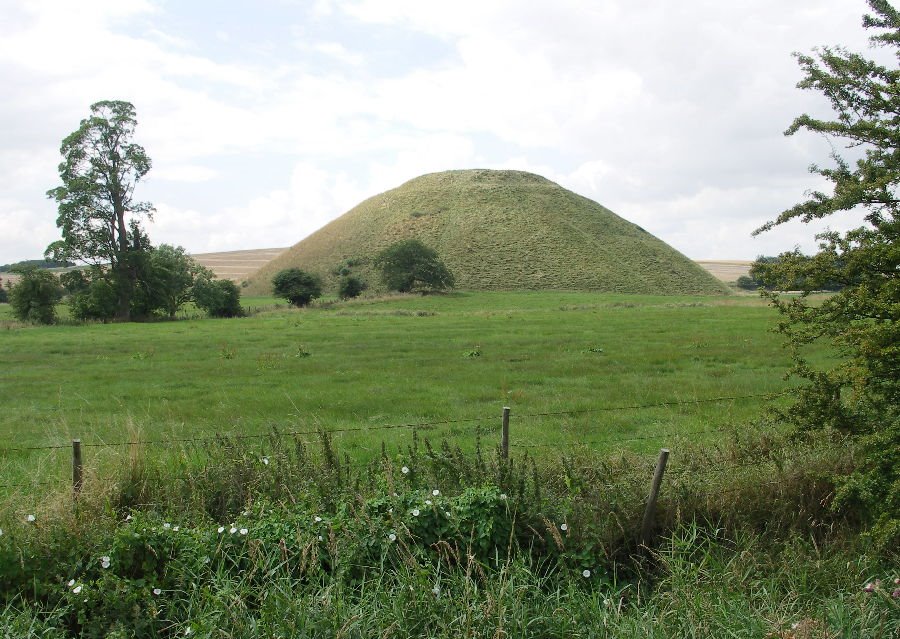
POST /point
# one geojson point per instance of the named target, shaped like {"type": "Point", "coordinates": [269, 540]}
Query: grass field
{"type": "Point", "coordinates": [244, 538]}
{"type": "Point", "coordinates": [394, 361]}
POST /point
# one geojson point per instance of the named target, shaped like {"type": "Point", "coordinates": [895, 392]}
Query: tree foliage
{"type": "Point", "coordinates": [166, 281]}
{"type": "Point", "coordinates": [409, 265]}
{"type": "Point", "coordinates": [297, 286]}
{"type": "Point", "coordinates": [350, 286]}
{"type": "Point", "coordinates": [33, 298]}
{"type": "Point", "coordinates": [4, 297]}
{"type": "Point", "coordinates": [97, 213]}
{"type": "Point", "coordinates": [219, 298]}
{"type": "Point", "coordinates": [861, 394]}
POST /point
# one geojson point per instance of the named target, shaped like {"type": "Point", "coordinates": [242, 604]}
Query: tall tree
{"type": "Point", "coordinates": [860, 395]}
{"type": "Point", "coordinates": [98, 217]}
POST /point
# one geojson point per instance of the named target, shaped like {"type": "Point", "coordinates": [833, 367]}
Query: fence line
{"type": "Point", "coordinates": [410, 426]}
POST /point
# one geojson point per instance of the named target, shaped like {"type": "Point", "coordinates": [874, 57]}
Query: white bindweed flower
{"type": "Point", "coordinates": [167, 525]}
{"type": "Point", "coordinates": [447, 512]}
{"type": "Point", "coordinates": [585, 573]}
{"type": "Point", "coordinates": [232, 530]}
{"type": "Point", "coordinates": [71, 583]}
{"type": "Point", "coordinates": [392, 537]}
{"type": "Point", "coordinates": [436, 591]}
{"type": "Point", "coordinates": [105, 561]}
{"type": "Point", "coordinates": [77, 589]}
{"type": "Point", "coordinates": [404, 470]}
{"type": "Point", "coordinates": [427, 502]}
{"type": "Point", "coordinates": [243, 531]}
{"type": "Point", "coordinates": [175, 528]}
{"type": "Point", "coordinates": [265, 460]}
{"type": "Point", "coordinates": [187, 631]}
{"type": "Point", "coordinates": [221, 529]}
{"type": "Point", "coordinates": [502, 495]}
{"type": "Point", "coordinates": [157, 591]}
{"type": "Point", "coordinates": [564, 527]}
{"type": "Point", "coordinates": [415, 512]}
{"type": "Point", "coordinates": [128, 518]}
{"type": "Point", "coordinates": [321, 538]}
{"type": "Point", "coordinates": [435, 492]}
{"type": "Point", "coordinates": [30, 518]}
{"type": "Point", "coordinates": [317, 519]}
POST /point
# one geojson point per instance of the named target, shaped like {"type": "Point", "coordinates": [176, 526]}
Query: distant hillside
{"type": "Point", "coordinates": [237, 265]}
{"type": "Point", "coordinates": [499, 230]}
{"type": "Point", "coordinates": [727, 270]}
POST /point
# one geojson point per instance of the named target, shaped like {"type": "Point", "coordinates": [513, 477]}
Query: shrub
{"type": "Point", "coordinates": [98, 300]}
{"type": "Point", "coordinates": [4, 297]}
{"type": "Point", "coordinates": [34, 297]}
{"type": "Point", "coordinates": [409, 265]}
{"type": "Point", "coordinates": [297, 286]}
{"type": "Point", "coordinates": [219, 298]}
{"type": "Point", "coordinates": [350, 287]}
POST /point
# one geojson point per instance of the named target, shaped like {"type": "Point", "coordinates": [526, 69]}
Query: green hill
{"type": "Point", "coordinates": [498, 230]}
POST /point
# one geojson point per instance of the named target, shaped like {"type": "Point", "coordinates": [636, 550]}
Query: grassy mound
{"type": "Point", "coordinates": [498, 230]}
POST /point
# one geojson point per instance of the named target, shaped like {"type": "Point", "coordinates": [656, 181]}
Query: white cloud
{"type": "Point", "coordinates": [668, 113]}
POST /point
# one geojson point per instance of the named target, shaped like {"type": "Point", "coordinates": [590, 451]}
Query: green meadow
{"type": "Point", "coordinates": [381, 529]}
{"type": "Point", "coordinates": [588, 359]}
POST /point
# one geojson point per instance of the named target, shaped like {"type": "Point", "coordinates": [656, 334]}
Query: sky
{"type": "Point", "coordinates": [267, 119]}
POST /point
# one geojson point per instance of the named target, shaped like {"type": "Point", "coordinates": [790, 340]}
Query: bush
{"type": "Point", "coordinates": [219, 298]}
{"type": "Point", "coordinates": [4, 297]}
{"type": "Point", "coordinates": [34, 297]}
{"type": "Point", "coordinates": [350, 287]}
{"type": "Point", "coordinates": [98, 300]}
{"type": "Point", "coordinates": [296, 286]}
{"type": "Point", "coordinates": [409, 265]}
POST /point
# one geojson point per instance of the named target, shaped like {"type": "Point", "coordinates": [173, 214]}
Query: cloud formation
{"type": "Point", "coordinates": [267, 121]}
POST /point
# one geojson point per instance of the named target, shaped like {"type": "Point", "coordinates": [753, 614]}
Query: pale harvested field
{"type": "Point", "coordinates": [726, 270]}
{"type": "Point", "coordinates": [237, 265]}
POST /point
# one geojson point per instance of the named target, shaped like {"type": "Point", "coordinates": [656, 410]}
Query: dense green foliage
{"type": "Point", "coordinates": [861, 393]}
{"type": "Point", "coordinates": [768, 272]}
{"type": "Point", "coordinates": [167, 281]}
{"type": "Point", "coordinates": [297, 286]}
{"type": "Point", "coordinates": [219, 298]}
{"type": "Point", "coordinates": [350, 286]}
{"type": "Point", "coordinates": [499, 230]}
{"type": "Point", "coordinates": [98, 216]}
{"type": "Point", "coordinates": [4, 296]}
{"type": "Point", "coordinates": [409, 265]}
{"type": "Point", "coordinates": [33, 298]}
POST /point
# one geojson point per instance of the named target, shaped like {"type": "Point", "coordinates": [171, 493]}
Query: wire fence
{"type": "Point", "coordinates": [478, 425]}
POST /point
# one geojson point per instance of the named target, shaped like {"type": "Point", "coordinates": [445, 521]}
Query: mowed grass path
{"type": "Point", "coordinates": [395, 361]}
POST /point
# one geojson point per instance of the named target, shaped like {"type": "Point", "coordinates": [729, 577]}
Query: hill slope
{"type": "Point", "coordinates": [498, 230]}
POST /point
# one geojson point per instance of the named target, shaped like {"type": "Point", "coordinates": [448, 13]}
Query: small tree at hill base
{"type": "Point", "coordinates": [297, 286]}
{"type": "Point", "coordinates": [859, 396]}
{"type": "Point", "coordinates": [350, 286]}
{"type": "Point", "coordinates": [3, 295]}
{"type": "Point", "coordinates": [33, 298]}
{"type": "Point", "coordinates": [219, 298]}
{"type": "Point", "coordinates": [409, 265]}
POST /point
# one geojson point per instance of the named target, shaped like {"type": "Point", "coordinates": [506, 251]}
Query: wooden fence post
{"type": "Point", "coordinates": [77, 469]}
{"type": "Point", "coordinates": [504, 434]}
{"type": "Point", "coordinates": [650, 510]}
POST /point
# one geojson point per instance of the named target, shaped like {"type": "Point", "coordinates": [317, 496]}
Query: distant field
{"type": "Point", "coordinates": [237, 265]}
{"type": "Point", "coordinates": [726, 270]}
{"type": "Point", "coordinates": [394, 361]}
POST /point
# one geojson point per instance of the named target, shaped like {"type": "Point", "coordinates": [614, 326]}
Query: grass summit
{"type": "Point", "coordinates": [498, 230]}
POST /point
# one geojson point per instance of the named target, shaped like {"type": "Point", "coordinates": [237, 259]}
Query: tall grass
{"type": "Point", "coordinates": [435, 542]}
